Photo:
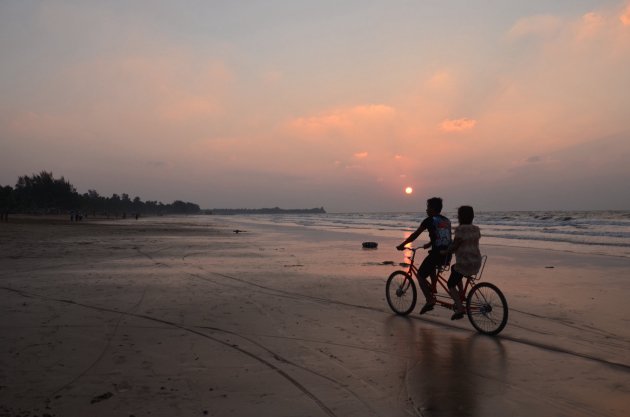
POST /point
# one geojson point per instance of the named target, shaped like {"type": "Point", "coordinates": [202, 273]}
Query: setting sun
{"type": "Point", "coordinates": [408, 190]}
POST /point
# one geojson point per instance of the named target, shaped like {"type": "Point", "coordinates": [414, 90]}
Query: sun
{"type": "Point", "coordinates": [408, 190]}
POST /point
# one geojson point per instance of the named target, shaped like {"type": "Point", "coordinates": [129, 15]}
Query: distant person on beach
{"type": "Point", "coordinates": [465, 246]}
{"type": "Point", "coordinates": [439, 228]}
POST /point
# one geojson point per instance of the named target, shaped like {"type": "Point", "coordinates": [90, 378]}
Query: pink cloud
{"type": "Point", "coordinates": [176, 89]}
{"type": "Point", "coordinates": [318, 124]}
{"type": "Point", "coordinates": [590, 25]}
{"type": "Point", "coordinates": [541, 25]}
{"type": "Point", "coordinates": [625, 16]}
{"type": "Point", "coordinates": [458, 125]}
{"type": "Point", "coordinates": [344, 119]}
{"type": "Point", "coordinates": [361, 155]}
{"type": "Point", "coordinates": [597, 24]}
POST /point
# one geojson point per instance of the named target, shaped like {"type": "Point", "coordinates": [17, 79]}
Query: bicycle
{"type": "Point", "coordinates": [486, 306]}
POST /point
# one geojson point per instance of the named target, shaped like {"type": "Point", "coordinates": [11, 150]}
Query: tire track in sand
{"type": "Point", "coordinates": [258, 358]}
{"type": "Point", "coordinates": [545, 346]}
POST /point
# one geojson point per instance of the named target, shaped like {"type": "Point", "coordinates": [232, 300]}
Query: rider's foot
{"type": "Point", "coordinates": [458, 315]}
{"type": "Point", "coordinates": [427, 307]}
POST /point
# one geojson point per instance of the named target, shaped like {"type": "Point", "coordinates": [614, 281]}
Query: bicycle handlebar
{"type": "Point", "coordinates": [411, 249]}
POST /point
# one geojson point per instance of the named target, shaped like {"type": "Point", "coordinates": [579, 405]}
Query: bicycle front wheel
{"type": "Point", "coordinates": [401, 293]}
{"type": "Point", "coordinates": [487, 308]}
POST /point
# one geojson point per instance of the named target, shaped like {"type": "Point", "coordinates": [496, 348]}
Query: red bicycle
{"type": "Point", "coordinates": [486, 306]}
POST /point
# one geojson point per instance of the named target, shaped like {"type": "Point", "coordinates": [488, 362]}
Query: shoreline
{"type": "Point", "coordinates": [487, 240]}
{"type": "Point", "coordinates": [388, 234]}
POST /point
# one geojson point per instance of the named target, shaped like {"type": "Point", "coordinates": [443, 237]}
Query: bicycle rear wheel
{"type": "Point", "coordinates": [401, 293]}
{"type": "Point", "coordinates": [487, 308]}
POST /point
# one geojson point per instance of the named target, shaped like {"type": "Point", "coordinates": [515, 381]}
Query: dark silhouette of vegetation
{"type": "Point", "coordinates": [44, 194]}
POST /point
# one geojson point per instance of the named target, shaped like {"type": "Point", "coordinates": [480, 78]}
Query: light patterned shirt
{"type": "Point", "coordinates": [467, 255]}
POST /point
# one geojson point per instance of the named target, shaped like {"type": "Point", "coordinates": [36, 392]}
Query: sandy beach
{"type": "Point", "coordinates": [174, 317]}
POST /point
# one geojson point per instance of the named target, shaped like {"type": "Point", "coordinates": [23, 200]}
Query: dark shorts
{"type": "Point", "coordinates": [431, 264]}
{"type": "Point", "coordinates": [454, 279]}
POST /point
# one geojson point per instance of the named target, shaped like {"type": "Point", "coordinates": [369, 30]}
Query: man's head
{"type": "Point", "coordinates": [434, 206]}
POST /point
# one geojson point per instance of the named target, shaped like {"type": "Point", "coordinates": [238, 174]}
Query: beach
{"type": "Point", "coordinates": [182, 316]}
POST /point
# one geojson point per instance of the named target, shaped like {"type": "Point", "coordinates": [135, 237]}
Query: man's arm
{"type": "Point", "coordinates": [412, 237]}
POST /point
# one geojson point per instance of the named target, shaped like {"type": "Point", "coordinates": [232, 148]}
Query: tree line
{"type": "Point", "coordinates": [274, 210]}
{"type": "Point", "coordinates": [44, 194]}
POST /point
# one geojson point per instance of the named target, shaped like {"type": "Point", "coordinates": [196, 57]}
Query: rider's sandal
{"type": "Point", "coordinates": [458, 315]}
{"type": "Point", "coordinates": [427, 307]}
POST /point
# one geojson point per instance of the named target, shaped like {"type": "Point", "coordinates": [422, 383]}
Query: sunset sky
{"type": "Point", "coordinates": [503, 104]}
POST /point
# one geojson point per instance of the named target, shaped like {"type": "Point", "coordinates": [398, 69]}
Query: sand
{"type": "Point", "coordinates": [164, 317]}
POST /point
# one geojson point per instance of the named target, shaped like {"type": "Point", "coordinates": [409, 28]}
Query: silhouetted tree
{"type": "Point", "coordinates": [43, 193]}
{"type": "Point", "coordinates": [185, 208]}
{"type": "Point", "coordinates": [7, 199]}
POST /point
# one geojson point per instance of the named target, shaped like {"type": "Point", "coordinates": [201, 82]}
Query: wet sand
{"type": "Point", "coordinates": [166, 317]}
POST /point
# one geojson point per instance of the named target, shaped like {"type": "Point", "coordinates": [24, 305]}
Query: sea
{"type": "Point", "coordinates": [587, 232]}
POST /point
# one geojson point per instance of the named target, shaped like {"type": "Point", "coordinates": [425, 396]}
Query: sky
{"type": "Point", "coordinates": [500, 104]}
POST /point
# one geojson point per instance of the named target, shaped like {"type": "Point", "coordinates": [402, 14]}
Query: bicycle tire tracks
{"type": "Point", "coordinates": [622, 366]}
{"type": "Point", "coordinates": [258, 358]}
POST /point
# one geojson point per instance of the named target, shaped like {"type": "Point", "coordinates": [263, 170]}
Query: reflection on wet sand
{"type": "Point", "coordinates": [452, 375]}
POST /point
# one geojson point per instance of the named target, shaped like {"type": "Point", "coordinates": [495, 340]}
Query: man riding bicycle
{"type": "Point", "coordinates": [439, 228]}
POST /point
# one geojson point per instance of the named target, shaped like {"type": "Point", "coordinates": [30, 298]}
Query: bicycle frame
{"type": "Point", "coordinates": [485, 304]}
{"type": "Point", "coordinates": [444, 298]}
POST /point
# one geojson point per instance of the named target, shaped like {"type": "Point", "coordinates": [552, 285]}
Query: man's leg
{"type": "Point", "coordinates": [427, 268]}
{"type": "Point", "coordinates": [434, 281]}
{"type": "Point", "coordinates": [426, 289]}
{"type": "Point", "coordinates": [453, 282]}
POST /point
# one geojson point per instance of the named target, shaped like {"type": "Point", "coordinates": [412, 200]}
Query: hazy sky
{"type": "Point", "coordinates": [503, 104]}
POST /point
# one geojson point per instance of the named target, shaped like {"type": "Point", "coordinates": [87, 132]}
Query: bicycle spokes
{"type": "Point", "coordinates": [401, 293]}
{"type": "Point", "coordinates": [487, 308]}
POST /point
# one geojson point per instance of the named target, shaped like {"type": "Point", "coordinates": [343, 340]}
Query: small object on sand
{"type": "Point", "coordinates": [101, 397]}
{"type": "Point", "coordinates": [370, 245]}
{"type": "Point", "coordinates": [550, 267]}
{"type": "Point", "coordinates": [237, 231]}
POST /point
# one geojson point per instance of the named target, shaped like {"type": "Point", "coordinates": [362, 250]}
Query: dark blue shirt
{"type": "Point", "coordinates": [439, 228]}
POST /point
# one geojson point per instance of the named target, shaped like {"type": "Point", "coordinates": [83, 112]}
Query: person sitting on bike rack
{"type": "Point", "coordinates": [465, 246]}
{"type": "Point", "coordinates": [439, 228]}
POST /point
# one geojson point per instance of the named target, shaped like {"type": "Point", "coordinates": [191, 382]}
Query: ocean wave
{"type": "Point", "coordinates": [577, 228]}
{"type": "Point", "coordinates": [558, 240]}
